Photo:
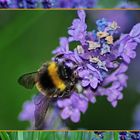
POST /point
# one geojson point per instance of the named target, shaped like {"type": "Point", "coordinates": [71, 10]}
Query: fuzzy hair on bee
{"type": "Point", "coordinates": [53, 80]}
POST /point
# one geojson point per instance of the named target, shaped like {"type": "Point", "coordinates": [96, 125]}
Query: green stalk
{"type": "Point", "coordinates": [20, 136]}
{"type": "Point", "coordinates": [4, 136]}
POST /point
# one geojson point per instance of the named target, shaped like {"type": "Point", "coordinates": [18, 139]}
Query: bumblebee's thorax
{"type": "Point", "coordinates": [53, 79]}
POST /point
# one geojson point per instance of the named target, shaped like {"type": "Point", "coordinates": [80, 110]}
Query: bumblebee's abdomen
{"type": "Point", "coordinates": [49, 80]}
{"type": "Point", "coordinates": [53, 73]}
{"type": "Point", "coordinates": [45, 80]}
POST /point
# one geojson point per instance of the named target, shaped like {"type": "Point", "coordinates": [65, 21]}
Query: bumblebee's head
{"type": "Point", "coordinates": [65, 72]}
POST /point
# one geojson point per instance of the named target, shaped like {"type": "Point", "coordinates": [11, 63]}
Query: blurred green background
{"type": "Point", "coordinates": [26, 41]}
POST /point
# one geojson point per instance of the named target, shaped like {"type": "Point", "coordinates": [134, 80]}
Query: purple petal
{"type": "Point", "coordinates": [122, 68]}
{"type": "Point", "coordinates": [74, 98]}
{"type": "Point", "coordinates": [77, 57]}
{"type": "Point", "coordinates": [132, 45]}
{"type": "Point", "coordinates": [91, 97]}
{"type": "Point", "coordinates": [94, 70]}
{"type": "Point", "coordinates": [115, 84]}
{"type": "Point", "coordinates": [123, 79]}
{"type": "Point", "coordinates": [28, 111]}
{"type": "Point", "coordinates": [120, 96]}
{"type": "Point", "coordinates": [63, 103]}
{"type": "Point", "coordinates": [114, 103]}
{"type": "Point", "coordinates": [85, 82]}
{"type": "Point", "coordinates": [94, 83]}
{"type": "Point", "coordinates": [126, 58]}
{"type": "Point", "coordinates": [133, 54]}
{"type": "Point", "coordinates": [135, 30]}
{"type": "Point", "coordinates": [64, 43]}
{"type": "Point", "coordinates": [82, 15]}
{"type": "Point", "coordinates": [83, 73]}
{"type": "Point", "coordinates": [71, 32]}
{"type": "Point", "coordinates": [66, 112]}
{"type": "Point", "coordinates": [137, 39]}
{"type": "Point", "coordinates": [75, 116]}
{"type": "Point", "coordinates": [83, 104]}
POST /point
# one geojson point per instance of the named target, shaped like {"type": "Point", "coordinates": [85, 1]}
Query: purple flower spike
{"type": "Point", "coordinates": [128, 51]}
{"type": "Point", "coordinates": [73, 106]}
{"type": "Point", "coordinates": [28, 111]}
{"type": "Point", "coordinates": [75, 3]}
{"type": "Point", "coordinates": [26, 4]}
{"type": "Point", "coordinates": [135, 33]}
{"type": "Point", "coordinates": [78, 28]}
{"type": "Point", "coordinates": [52, 121]}
{"type": "Point", "coordinates": [99, 63]}
{"type": "Point", "coordinates": [127, 48]}
{"type": "Point", "coordinates": [64, 46]}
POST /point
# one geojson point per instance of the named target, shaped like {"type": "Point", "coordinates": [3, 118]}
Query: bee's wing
{"type": "Point", "coordinates": [27, 80]}
{"type": "Point", "coordinates": [41, 107]}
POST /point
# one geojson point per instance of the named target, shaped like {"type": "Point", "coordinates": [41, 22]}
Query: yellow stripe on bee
{"type": "Point", "coordinates": [53, 72]}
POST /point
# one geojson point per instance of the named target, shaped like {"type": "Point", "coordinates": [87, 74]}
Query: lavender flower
{"type": "Point", "coordinates": [78, 28]}
{"type": "Point", "coordinates": [28, 111]}
{"type": "Point", "coordinates": [26, 3]}
{"type": "Point", "coordinates": [47, 3]}
{"type": "Point", "coordinates": [73, 106]}
{"type": "Point", "coordinates": [99, 61]}
{"type": "Point", "coordinates": [127, 5]}
{"type": "Point", "coordinates": [126, 135]}
{"type": "Point", "coordinates": [126, 51]}
{"type": "Point", "coordinates": [52, 121]}
{"type": "Point", "coordinates": [4, 3]}
{"type": "Point", "coordinates": [88, 78]}
{"type": "Point", "coordinates": [75, 3]}
{"type": "Point", "coordinates": [64, 46]}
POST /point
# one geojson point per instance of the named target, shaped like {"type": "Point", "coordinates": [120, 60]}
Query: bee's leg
{"type": "Point", "coordinates": [67, 93]}
{"type": "Point", "coordinates": [53, 92]}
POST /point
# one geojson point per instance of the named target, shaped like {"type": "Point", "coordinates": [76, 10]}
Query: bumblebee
{"type": "Point", "coordinates": [53, 80]}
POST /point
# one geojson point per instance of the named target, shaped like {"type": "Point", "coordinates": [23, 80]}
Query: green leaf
{"type": "Point", "coordinates": [13, 135]}
{"type": "Point", "coordinates": [93, 136]}
{"type": "Point", "coordinates": [4, 136]}
{"type": "Point", "coordinates": [20, 135]}
{"type": "Point", "coordinates": [116, 135]}
{"type": "Point", "coordinates": [108, 136]}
